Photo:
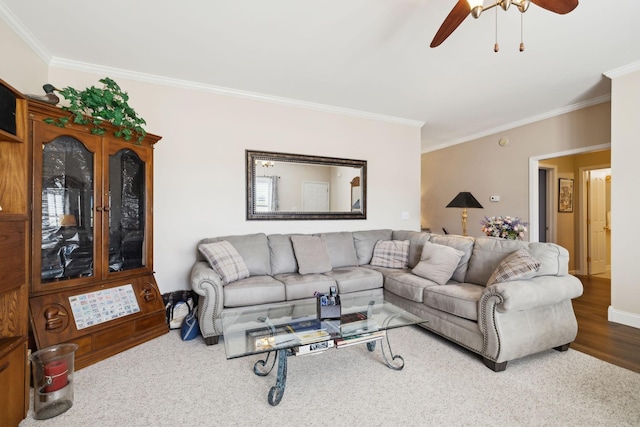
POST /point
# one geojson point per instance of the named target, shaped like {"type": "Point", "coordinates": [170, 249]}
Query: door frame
{"type": "Point", "coordinates": [534, 220]}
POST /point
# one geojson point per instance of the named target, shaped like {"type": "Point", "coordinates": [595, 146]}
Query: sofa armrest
{"type": "Point", "coordinates": [536, 292]}
{"type": "Point", "coordinates": [523, 317]}
{"type": "Point", "coordinates": [208, 284]}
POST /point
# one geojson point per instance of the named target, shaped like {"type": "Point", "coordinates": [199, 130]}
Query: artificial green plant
{"type": "Point", "coordinates": [94, 106]}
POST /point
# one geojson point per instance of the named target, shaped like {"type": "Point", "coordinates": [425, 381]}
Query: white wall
{"type": "Point", "coordinates": [200, 164]}
{"type": "Point", "coordinates": [625, 204]}
{"type": "Point", "coordinates": [20, 66]}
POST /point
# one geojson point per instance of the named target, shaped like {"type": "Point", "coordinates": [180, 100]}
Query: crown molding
{"type": "Point", "coordinates": [621, 71]}
{"type": "Point", "coordinates": [201, 87]}
{"type": "Point", "coordinates": [17, 26]}
{"type": "Point", "coordinates": [526, 121]}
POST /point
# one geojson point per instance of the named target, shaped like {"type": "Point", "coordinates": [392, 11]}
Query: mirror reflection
{"type": "Point", "coordinates": [293, 186]}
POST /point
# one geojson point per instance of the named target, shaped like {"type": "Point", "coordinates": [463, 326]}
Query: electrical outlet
{"type": "Point", "coordinates": [495, 198]}
{"type": "Point", "coordinates": [405, 215]}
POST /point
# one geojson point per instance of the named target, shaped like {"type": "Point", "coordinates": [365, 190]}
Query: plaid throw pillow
{"type": "Point", "coordinates": [518, 265]}
{"type": "Point", "coordinates": [225, 260]}
{"type": "Point", "coordinates": [391, 254]}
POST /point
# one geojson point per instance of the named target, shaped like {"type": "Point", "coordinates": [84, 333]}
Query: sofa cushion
{"type": "Point", "coordinates": [554, 259]}
{"type": "Point", "coordinates": [299, 286]}
{"type": "Point", "coordinates": [407, 285]}
{"type": "Point", "coordinates": [438, 262]}
{"type": "Point", "coordinates": [353, 279]}
{"type": "Point", "coordinates": [341, 249]}
{"type": "Point", "coordinates": [365, 241]}
{"type": "Point", "coordinates": [254, 250]}
{"type": "Point", "coordinates": [283, 259]}
{"type": "Point", "coordinates": [253, 290]}
{"type": "Point", "coordinates": [518, 265]}
{"type": "Point", "coordinates": [224, 260]}
{"type": "Point", "coordinates": [416, 239]}
{"type": "Point", "coordinates": [488, 253]}
{"type": "Point", "coordinates": [461, 243]}
{"type": "Point", "coordinates": [391, 254]}
{"type": "Point", "coordinates": [311, 254]}
{"type": "Point", "coordinates": [460, 299]}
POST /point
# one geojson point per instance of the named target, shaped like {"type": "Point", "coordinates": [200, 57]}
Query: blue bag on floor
{"type": "Point", "coordinates": [190, 328]}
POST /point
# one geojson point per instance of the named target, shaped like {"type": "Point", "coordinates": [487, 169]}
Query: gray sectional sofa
{"type": "Point", "coordinates": [445, 281]}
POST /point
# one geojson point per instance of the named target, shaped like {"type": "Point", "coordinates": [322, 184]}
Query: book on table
{"type": "Point", "coordinates": [313, 348]}
{"type": "Point", "coordinates": [304, 325]}
{"type": "Point", "coordinates": [357, 323]}
{"type": "Point", "coordinates": [309, 337]}
{"type": "Point", "coordinates": [308, 331]}
{"type": "Point", "coordinates": [359, 339]}
{"type": "Point", "coordinates": [273, 342]}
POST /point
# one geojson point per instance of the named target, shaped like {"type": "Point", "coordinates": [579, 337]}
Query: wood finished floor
{"type": "Point", "coordinates": [612, 342]}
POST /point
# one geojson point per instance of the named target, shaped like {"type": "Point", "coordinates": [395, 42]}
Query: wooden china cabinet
{"type": "Point", "coordinates": [92, 279]}
{"type": "Point", "coordinates": [14, 256]}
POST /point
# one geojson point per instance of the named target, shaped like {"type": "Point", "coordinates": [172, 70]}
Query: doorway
{"type": "Point", "coordinates": [566, 227]}
{"type": "Point", "coordinates": [546, 202]}
{"type": "Point", "coordinates": [596, 208]}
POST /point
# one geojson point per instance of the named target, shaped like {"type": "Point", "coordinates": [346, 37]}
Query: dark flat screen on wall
{"type": "Point", "coordinates": [7, 110]}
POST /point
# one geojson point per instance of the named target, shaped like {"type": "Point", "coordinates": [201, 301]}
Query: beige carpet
{"type": "Point", "coordinates": [168, 382]}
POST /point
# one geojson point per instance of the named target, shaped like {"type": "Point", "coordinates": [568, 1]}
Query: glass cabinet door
{"type": "Point", "coordinates": [67, 222]}
{"type": "Point", "coordinates": [127, 211]}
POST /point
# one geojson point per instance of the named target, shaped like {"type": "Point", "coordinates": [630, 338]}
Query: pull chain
{"type": "Point", "coordinates": [496, 47]}
{"type": "Point", "coordinates": [521, 32]}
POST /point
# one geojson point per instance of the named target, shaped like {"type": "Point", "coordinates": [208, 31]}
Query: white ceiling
{"type": "Point", "coordinates": [360, 55]}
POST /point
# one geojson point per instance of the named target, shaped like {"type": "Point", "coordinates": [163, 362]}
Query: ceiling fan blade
{"type": "Point", "coordinates": [458, 14]}
{"type": "Point", "coordinates": [557, 6]}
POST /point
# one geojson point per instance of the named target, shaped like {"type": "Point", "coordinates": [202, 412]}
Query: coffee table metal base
{"type": "Point", "coordinates": [277, 391]}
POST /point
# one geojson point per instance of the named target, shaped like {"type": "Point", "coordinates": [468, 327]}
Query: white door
{"type": "Point", "coordinates": [597, 222]}
{"type": "Point", "coordinates": [315, 196]}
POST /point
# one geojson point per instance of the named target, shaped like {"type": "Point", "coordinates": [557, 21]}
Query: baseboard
{"type": "Point", "coordinates": [624, 317]}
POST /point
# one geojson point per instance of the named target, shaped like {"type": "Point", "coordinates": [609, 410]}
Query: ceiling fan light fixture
{"type": "Point", "coordinates": [523, 5]}
{"type": "Point", "coordinates": [464, 8]}
{"type": "Point", "coordinates": [476, 7]}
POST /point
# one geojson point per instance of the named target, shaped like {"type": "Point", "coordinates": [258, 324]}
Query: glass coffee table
{"type": "Point", "coordinates": [293, 328]}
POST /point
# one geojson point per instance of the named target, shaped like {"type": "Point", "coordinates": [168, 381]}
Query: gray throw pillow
{"type": "Point", "coordinates": [391, 254]}
{"type": "Point", "coordinates": [437, 263]}
{"type": "Point", "coordinates": [224, 260]}
{"type": "Point", "coordinates": [518, 265]}
{"type": "Point", "coordinates": [312, 254]}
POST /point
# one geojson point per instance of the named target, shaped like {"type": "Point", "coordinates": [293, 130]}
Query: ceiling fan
{"type": "Point", "coordinates": [464, 8]}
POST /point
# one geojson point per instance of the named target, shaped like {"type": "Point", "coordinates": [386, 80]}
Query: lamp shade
{"type": "Point", "coordinates": [464, 199]}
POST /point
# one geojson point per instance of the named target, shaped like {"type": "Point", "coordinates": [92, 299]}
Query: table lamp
{"type": "Point", "coordinates": [464, 200]}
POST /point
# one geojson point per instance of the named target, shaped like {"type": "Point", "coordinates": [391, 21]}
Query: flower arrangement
{"type": "Point", "coordinates": [504, 227]}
